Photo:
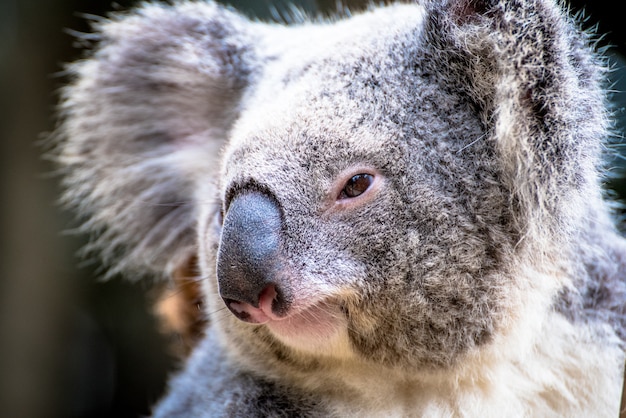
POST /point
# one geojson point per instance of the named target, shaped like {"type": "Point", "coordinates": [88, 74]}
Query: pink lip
{"type": "Point", "coordinates": [306, 327]}
{"type": "Point", "coordinates": [315, 320]}
{"type": "Point", "coordinates": [315, 324]}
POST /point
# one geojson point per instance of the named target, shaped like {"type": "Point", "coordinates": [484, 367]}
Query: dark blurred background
{"type": "Point", "coordinates": [71, 345]}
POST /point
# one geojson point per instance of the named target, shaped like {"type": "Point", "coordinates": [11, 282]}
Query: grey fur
{"type": "Point", "coordinates": [483, 240]}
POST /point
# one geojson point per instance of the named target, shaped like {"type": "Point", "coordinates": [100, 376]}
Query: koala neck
{"type": "Point", "coordinates": [506, 376]}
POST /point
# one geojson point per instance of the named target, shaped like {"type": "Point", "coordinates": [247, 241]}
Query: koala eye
{"type": "Point", "coordinates": [356, 186]}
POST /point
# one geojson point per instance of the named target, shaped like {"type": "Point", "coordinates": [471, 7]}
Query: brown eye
{"type": "Point", "coordinates": [356, 186]}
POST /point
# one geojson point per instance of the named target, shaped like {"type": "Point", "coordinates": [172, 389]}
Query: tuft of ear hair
{"type": "Point", "coordinates": [143, 121]}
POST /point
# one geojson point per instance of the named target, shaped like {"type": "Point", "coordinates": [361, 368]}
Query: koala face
{"type": "Point", "coordinates": [358, 225]}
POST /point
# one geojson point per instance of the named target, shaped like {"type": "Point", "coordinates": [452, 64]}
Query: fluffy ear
{"type": "Point", "coordinates": [143, 121]}
{"type": "Point", "coordinates": [540, 95]}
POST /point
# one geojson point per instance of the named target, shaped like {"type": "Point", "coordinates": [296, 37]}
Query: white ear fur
{"type": "Point", "coordinates": [143, 119]}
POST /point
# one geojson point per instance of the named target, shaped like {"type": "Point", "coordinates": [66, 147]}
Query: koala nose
{"type": "Point", "coordinates": [249, 270]}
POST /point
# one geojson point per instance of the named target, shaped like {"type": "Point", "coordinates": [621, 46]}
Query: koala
{"type": "Point", "coordinates": [395, 213]}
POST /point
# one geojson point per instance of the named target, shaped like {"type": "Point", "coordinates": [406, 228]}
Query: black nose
{"type": "Point", "coordinates": [248, 262]}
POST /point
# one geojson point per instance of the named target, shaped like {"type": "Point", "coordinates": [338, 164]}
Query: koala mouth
{"type": "Point", "coordinates": [319, 328]}
{"type": "Point", "coordinates": [307, 326]}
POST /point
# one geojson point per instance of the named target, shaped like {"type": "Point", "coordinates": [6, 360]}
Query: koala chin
{"type": "Point", "coordinates": [396, 213]}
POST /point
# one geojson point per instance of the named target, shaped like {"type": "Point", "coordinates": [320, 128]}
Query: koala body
{"type": "Point", "coordinates": [394, 214]}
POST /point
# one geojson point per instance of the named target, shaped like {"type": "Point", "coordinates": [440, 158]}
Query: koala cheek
{"type": "Point", "coordinates": [251, 277]}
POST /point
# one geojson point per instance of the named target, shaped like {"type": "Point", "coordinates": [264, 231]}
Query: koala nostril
{"type": "Point", "coordinates": [239, 309]}
{"type": "Point", "coordinates": [271, 302]}
{"type": "Point", "coordinates": [278, 304]}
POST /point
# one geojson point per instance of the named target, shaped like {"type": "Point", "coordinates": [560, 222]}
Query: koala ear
{"type": "Point", "coordinates": [144, 120]}
{"type": "Point", "coordinates": [529, 72]}
{"type": "Point", "coordinates": [463, 11]}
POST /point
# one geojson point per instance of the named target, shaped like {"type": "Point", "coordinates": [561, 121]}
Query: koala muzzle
{"type": "Point", "coordinates": [249, 269]}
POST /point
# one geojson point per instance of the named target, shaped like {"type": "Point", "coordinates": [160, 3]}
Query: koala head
{"type": "Point", "coordinates": [402, 188]}
{"type": "Point", "coordinates": [356, 212]}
